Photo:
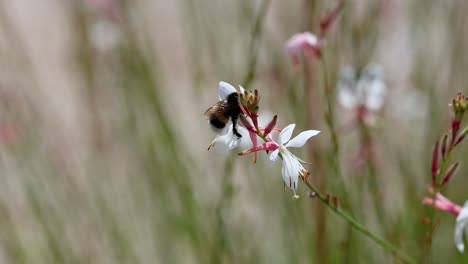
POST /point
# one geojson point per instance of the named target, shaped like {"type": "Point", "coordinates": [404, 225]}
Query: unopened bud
{"type": "Point", "coordinates": [444, 145]}
{"type": "Point", "coordinates": [329, 18]}
{"type": "Point", "coordinates": [270, 126]}
{"type": "Point", "coordinates": [250, 100]}
{"type": "Point", "coordinates": [435, 163]}
{"type": "Point", "coordinates": [450, 172]}
{"type": "Point", "coordinates": [254, 118]}
{"type": "Point", "coordinates": [455, 128]}
{"type": "Point", "coordinates": [459, 105]}
{"type": "Point", "coordinates": [462, 136]}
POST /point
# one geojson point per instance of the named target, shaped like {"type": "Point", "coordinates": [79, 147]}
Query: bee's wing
{"type": "Point", "coordinates": [210, 111]}
{"type": "Point", "coordinates": [216, 110]}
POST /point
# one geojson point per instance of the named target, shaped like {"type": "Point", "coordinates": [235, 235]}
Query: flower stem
{"type": "Point", "coordinates": [329, 115]}
{"type": "Point", "coordinates": [311, 99]}
{"type": "Point", "coordinates": [329, 120]}
{"type": "Point", "coordinates": [253, 46]}
{"type": "Point", "coordinates": [367, 142]}
{"type": "Point", "coordinates": [359, 227]}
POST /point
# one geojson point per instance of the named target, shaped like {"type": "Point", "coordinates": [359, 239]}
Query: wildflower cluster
{"type": "Point", "coordinates": [442, 172]}
{"type": "Point", "coordinates": [255, 134]}
{"type": "Point", "coordinates": [292, 168]}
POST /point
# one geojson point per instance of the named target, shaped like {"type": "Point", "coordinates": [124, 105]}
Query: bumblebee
{"type": "Point", "coordinates": [219, 114]}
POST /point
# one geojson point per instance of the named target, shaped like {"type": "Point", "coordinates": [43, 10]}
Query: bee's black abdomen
{"type": "Point", "coordinates": [217, 123]}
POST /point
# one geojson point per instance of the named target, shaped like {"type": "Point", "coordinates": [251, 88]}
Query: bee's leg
{"type": "Point", "coordinates": [234, 126]}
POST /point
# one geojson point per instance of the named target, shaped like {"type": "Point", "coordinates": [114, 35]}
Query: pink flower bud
{"type": "Point", "coordinates": [462, 136]}
{"type": "Point", "coordinates": [326, 21]}
{"type": "Point", "coordinates": [435, 163]}
{"type": "Point", "coordinates": [455, 129]}
{"type": "Point", "coordinates": [450, 172]}
{"type": "Point", "coordinates": [270, 126]}
{"type": "Point", "coordinates": [444, 145]}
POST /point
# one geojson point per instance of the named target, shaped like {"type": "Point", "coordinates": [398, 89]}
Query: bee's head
{"type": "Point", "coordinates": [233, 98]}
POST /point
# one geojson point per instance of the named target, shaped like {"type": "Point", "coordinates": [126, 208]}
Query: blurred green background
{"type": "Point", "coordinates": [103, 139]}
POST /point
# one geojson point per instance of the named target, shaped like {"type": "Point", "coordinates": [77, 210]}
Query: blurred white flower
{"type": "Point", "coordinates": [104, 35]}
{"type": "Point", "coordinates": [368, 91]}
{"type": "Point", "coordinates": [346, 86]}
{"type": "Point", "coordinates": [461, 227]}
{"type": "Point", "coordinates": [292, 166]}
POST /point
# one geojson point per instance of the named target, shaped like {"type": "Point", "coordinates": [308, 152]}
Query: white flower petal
{"type": "Point", "coordinates": [347, 79]}
{"type": "Point", "coordinates": [461, 227]}
{"type": "Point", "coordinates": [245, 142]}
{"type": "Point", "coordinates": [274, 155]}
{"type": "Point", "coordinates": [346, 97]}
{"type": "Point", "coordinates": [300, 160]}
{"type": "Point", "coordinates": [286, 133]}
{"type": "Point", "coordinates": [301, 139]}
{"type": "Point", "coordinates": [375, 95]}
{"type": "Point", "coordinates": [361, 89]}
{"type": "Point", "coordinates": [286, 171]}
{"type": "Point", "coordinates": [225, 89]}
{"type": "Point", "coordinates": [290, 170]}
{"type": "Point", "coordinates": [226, 142]}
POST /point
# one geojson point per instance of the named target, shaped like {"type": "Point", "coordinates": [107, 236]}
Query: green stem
{"type": "Point", "coordinates": [253, 46]}
{"type": "Point", "coordinates": [329, 120]}
{"type": "Point", "coordinates": [366, 141]}
{"type": "Point", "coordinates": [310, 100]}
{"type": "Point", "coordinates": [220, 246]}
{"type": "Point", "coordinates": [361, 228]}
{"type": "Point", "coordinates": [329, 115]}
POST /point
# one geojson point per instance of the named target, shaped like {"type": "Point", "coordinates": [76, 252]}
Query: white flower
{"type": "Point", "coordinates": [368, 91]}
{"type": "Point", "coordinates": [461, 227]}
{"type": "Point", "coordinates": [292, 166]}
{"type": "Point", "coordinates": [346, 87]}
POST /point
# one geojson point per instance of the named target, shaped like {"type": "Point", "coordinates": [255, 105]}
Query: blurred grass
{"type": "Point", "coordinates": [109, 164]}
